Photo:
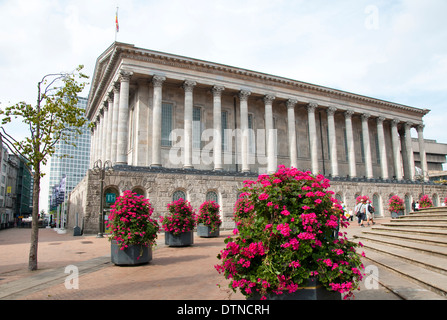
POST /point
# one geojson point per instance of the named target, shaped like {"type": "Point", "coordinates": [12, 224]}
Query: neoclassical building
{"type": "Point", "coordinates": [173, 126]}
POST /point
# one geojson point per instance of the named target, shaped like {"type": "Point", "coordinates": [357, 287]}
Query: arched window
{"type": "Point", "coordinates": [139, 191]}
{"type": "Point", "coordinates": [178, 194]}
{"type": "Point", "coordinates": [212, 196]}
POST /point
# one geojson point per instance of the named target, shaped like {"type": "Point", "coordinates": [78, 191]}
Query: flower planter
{"type": "Point", "coordinates": [181, 240]}
{"type": "Point", "coordinates": [204, 231]}
{"type": "Point", "coordinates": [313, 290]}
{"type": "Point", "coordinates": [131, 256]}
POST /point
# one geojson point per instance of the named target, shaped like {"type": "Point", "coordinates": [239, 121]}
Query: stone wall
{"type": "Point", "coordinates": [160, 184]}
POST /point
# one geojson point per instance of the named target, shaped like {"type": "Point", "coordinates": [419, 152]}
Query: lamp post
{"type": "Point", "coordinates": [102, 169]}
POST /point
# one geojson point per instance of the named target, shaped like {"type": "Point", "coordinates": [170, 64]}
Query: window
{"type": "Point", "coordinates": [178, 194]}
{"type": "Point", "coordinates": [224, 123]}
{"type": "Point", "coordinates": [251, 135]}
{"type": "Point", "coordinates": [166, 124]}
{"type": "Point", "coordinates": [211, 196]}
{"type": "Point", "coordinates": [196, 127]}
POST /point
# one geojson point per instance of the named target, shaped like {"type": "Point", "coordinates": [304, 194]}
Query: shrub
{"type": "Point", "coordinates": [209, 215]}
{"type": "Point", "coordinates": [396, 204]}
{"type": "Point", "coordinates": [425, 202]}
{"type": "Point", "coordinates": [284, 234]}
{"type": "Point", "coordinates": [180, 218]}
{"type": "Point", "coordinates": [130, 221]}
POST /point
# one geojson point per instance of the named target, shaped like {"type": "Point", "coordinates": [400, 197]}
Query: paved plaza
{"type": "Point", "coordinates": [173, 274]}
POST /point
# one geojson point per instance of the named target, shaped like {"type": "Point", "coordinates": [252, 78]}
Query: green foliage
{"type": "Point", "coordinates": [55, 117]}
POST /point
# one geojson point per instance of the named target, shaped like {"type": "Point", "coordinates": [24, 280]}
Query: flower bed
{"type": "Point", "coordinates": [181, 217]}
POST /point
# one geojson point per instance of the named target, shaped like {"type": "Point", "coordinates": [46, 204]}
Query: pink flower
{"type": "Point", "coordinates": [263, 196]}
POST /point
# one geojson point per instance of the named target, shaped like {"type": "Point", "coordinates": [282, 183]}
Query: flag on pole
{"type": "Point", "coordinates": [116, 21]}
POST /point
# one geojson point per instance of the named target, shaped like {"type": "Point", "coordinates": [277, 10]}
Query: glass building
{"type": "Point", "coordinates": [70, 161]}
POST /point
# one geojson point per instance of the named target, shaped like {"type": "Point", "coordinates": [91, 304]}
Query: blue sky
{"type": "Point", "coordinates": [391, 50]}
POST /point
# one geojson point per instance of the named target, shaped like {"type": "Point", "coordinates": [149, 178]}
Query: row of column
{"type": "Point", "coordinates": [110, 134]}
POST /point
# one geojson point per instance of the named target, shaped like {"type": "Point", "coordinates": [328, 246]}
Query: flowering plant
{"type": "Point", "coordinates": [130, 221]}
{"type": "Point", "coordinates": [425, 202]}
{"type": "Point", "coordinates": [284, 235]}
{"type": "Point", "coordinates": [360, 198]}
{"type": "Point", "coordinates": [181, 217]}
{"type": "Point", "coordinates": [396, 204]}
{"type": "Point", "coordinates": [445, 200]}
{"type": "Point", "coordinates": [209, 215]}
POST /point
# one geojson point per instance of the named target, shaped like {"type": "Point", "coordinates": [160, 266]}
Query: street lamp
{"type": "Point", "coordinates": [102, 169]}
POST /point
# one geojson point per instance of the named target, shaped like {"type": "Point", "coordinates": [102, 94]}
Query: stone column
{"type": "Point", "coordinates": [270, 134]}
{"type": "Point", "coordinates": [292, 132]}
{"type": "Point", "coordinates": [156, 120]}
{"type": "Point", "coordinates": [350, 144]}
{"type": "Point", "coordinates": [313, 136]}
{"type": "Point", "coordinates": [332, 140]}
{"type": "Point", "coordinates": [367, 146]}
{"type": "Point", "coordinates": [422, 153]}
{"type": "Point", "coordinates": [382, 148]}
{"type": "Point", "coordinates": [243, 97]}
{"type": "Point", "coordinates": [396, 150]}
{"type": "Point", "coordinates": [409, 151]}
{"type": "Point", "coordinates": [92, 144]}
{"type": "Point", "coordinates": [188, 86]}
{"type": "Point", "coordinates": [123, 121]}
{"type": "Point", "coordinates": [217, 126]}
{"type": "Point", "coordinates": [108, 144]}
{"type": "Point", "coordinates": [141, 125]}
{"type": "Point", "coordinates": [101, 134]}
{"type": "Point", "coordinates": [105, 131]}
{"type": "Point", "coordinates": [97, 138]}
{"type": "Point", "coordinates": [114, 143]}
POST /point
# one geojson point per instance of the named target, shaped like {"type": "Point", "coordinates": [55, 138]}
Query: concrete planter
{"type": "Point", "coordinates": [182, 240]}
{"type": "Point", "coordinates": [204, 231]}
{"type": "Point", "coordinates": [130, 256]}
{"type": "Point", "coordinates": [313, 290]}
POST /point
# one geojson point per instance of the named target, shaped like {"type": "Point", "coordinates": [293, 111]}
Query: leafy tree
{"type": "Point", "coordinates": [55, 117]}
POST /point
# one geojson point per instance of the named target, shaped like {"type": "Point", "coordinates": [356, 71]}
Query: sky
{"type": "Point", "coordinates": [395, 50]}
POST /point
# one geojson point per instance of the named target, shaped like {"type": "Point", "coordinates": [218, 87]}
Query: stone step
{"type": "Point", "coordinates": [406, 224]}
{"type": "Point", "coordinates": [411, 227]}
{"type": "Point", "coordinates": [434, 263]}
{"type": "Point", "coordinates": [420, 238]}
{"type": "Point", "coordinates": [412, 230]}
{"type": "Point", "coordinates": [412, 243]}
{"type": "Point", "coordinates": [411, 282]}
{"type": "Point", "coordinates": [417, 219]}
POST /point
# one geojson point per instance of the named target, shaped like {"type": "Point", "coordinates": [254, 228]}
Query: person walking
{"type": "Point", "coordinates": [369, 212]}
{"type": "Point", "coordinates": [360, 210]}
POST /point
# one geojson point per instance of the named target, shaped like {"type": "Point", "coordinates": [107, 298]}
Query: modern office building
{"type": "Point", "coordinates": [70, 161]}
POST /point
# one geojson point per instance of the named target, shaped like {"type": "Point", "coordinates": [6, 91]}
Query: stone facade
{"type": "Point", "coordinates": [207, 127]}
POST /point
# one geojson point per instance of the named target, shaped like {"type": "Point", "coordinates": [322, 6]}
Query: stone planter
{"type": "Point", "coordinates": [204, 231]}
{"type": "Point", "coordinates": [130, 256]}
{"type": "Point", "coordinates": [182, 240]}
{"type": "Point", "coordinates": [313, 290]}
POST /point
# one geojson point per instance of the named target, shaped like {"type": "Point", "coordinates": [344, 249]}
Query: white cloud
{"type": "Point", "coordinates": [402, 58]}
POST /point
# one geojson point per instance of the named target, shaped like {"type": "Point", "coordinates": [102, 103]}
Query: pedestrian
{"type": "Point", "coordinates": [360, 210]}
{"type": "Point", "coordinates": [369, 212]}
{"type": "Point", "coordinates": [416, 206]}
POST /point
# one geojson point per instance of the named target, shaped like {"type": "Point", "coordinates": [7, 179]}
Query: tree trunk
{"type": "Point", "coordinates": [32, 263]}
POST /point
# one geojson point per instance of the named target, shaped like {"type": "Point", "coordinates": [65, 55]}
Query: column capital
{"type": "Point", "coordinates": [331, 110]}
{"type": "Point", "coordinates": [365, 116]}
{"type": "Point", "coordinates": [268, 98]}
{"type": "Point", "coordinates": [395, 121]}
{"type": "Point", "coordinates": [125, 76]}
{"type": "Point", "coordinates": [244, 94]}
{"type": "Point", "coordinates": [110, 100]}
{"type": "Point", "coordinates": [105, 105]}
{"type": "Point", "coordinates": [291, 103]}
{"type": "Point", "coordinates": [158, 80]}
{"type": "Point", "coordinates": [380, 120]}
{"type": "Point", "coordinates": [217, 90]}
{"type": "Point", "coordinates": [408, 125]}
{"type": "Point", "coordinates": [312, 106]}
{"type": "Point", "coordinates": [420, 127]}
{"type": "Point", "coordinates": [349, 113]}
{"type": "Point", "coordinates": [189, 85]}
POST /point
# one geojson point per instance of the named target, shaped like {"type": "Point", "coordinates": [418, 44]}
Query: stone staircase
{"type": "Point", "coordinates": [410, 253]}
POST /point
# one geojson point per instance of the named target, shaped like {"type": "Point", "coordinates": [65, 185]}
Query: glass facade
{"type": "Point", "coordinates": [71, 161]}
